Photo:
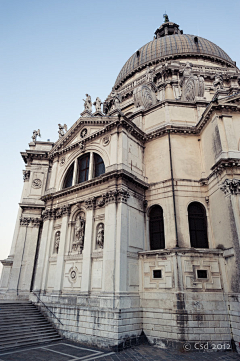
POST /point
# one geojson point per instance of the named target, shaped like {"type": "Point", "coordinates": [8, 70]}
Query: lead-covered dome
{"type": "Point", "coordinates": [170, 43]}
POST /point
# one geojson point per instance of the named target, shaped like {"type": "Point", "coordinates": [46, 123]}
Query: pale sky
{"type": "Point", "coordinates": [53, 52]}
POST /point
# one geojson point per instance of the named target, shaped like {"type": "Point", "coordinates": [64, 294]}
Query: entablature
{"type": "Point", "coordinates": [117, 174]}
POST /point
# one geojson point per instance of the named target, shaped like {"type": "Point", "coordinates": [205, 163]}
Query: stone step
{"type": "Point", "coordinates": [15, 343]}
{"type": "Point", "coordinates": [24, 330]}
{"type": "Point", "coordinates": [18, 312]}
{"type": "Point", "coordinates": [22, 324]}
{"type": "Point", "coordinates": [19, 318]}
{"type": "Point", "coordinates": [24, 336]}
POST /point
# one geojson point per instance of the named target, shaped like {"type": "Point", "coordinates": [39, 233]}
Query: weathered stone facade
{"type": "Point", "coordinates": [106, 233]}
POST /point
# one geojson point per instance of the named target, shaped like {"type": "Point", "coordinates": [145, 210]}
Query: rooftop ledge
{"type": "Point", "coordinates": [229, 252]}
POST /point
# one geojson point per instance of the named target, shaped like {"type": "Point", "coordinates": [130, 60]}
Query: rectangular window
{"type": "Point", "coordinates": [157, 273]}
{"type": "Point", "coordinates": [201, 273]}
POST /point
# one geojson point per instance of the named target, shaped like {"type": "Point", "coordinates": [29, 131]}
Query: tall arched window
{"type": "Point", "coordinates": [83, 168]}
{"type": "Point", "coordinates": [86, 167]}
{"type": "Point", "coordinates": [69, 177]}
{"type": "Point", "coordinates": [156, 227]}
{"type": "Point", "coordinates": [197, 220]}
{"type": "Point", "coordinates": [98, 165]}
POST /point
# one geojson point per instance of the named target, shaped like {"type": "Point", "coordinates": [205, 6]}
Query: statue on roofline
{"type": "Point", "coordinates": [88, 103]}
{"type": "Point", "coordinates": [36, 133]}
{"type": "Point", "coordinates": [98, 104]}
{"type": "Point", "coordinates": [166, 19]}
{"type": "Point", "coordinates": [61, 130]}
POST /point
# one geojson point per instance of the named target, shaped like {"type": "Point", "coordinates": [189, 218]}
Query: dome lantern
{"type": "Point", "coordinates": [167, 28]}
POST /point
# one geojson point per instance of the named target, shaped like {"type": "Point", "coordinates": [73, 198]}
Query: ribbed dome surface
{"type": "Point", "coordinates": [172, 46]}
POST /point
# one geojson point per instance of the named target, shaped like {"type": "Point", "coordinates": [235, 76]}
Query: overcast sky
{"type": "Point", "coordinates": [53, 52]}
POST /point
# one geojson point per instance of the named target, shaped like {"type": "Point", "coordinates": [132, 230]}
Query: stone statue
{"type": "Point", "coordinates": [98, 104]}
{"type": "Point", "coordinates": [36, 133]}
{"type": "Point", "coordinates": [61, 130]}
{"type": "Point", "coordinates": [57, 241]}
{"type": "Point", "coordinates": [88, 103]}
{"type": "Point", "coordinates": [218, 82]}
{"type": "Point", "coordinates": [100, 235]}
{"type": "Point", "coordinates": [192, 85]}
{"type": "Point", "coordinates": [187, 70]}
{"type": "Point", "coordinates": [149, 74]}
{"type": "Point", "coordinates": [166, 19]}
{"type": "Point", "coordinates": [77, 245]}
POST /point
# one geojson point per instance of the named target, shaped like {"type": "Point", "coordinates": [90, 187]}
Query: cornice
{"type": "Point", "coordinates": [29, 155]}
{"type": "Point", "coordinates": [118, 121]}
{"type": "Point", "coordinates": [75, 128]}
{"type": "Point", "coordinates": [218, 105]}
{"type": "Point", "coordinates": [96, 181]}
{"type": "Point", "coordinates": [224, 164]}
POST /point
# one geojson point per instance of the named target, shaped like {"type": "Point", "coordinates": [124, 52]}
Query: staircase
{"type": "Point", "coordinates": [22, 324]}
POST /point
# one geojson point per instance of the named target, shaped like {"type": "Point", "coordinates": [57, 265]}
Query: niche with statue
{"type": "Point", "coordinates": [100, 236]}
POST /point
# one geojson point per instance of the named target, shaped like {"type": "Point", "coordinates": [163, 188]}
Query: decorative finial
{"type": "Point", "coordinates": [166, 19]}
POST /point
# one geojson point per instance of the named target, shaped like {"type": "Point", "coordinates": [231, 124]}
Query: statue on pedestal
{"type": "Point", "coordinates": [88, 103]}
{"type": "Point", "coordinates": [98, 104]}
{"type": "Point", "coordinates": [36, 133]}
{"type": "Point", "coordinates": [61, 130]}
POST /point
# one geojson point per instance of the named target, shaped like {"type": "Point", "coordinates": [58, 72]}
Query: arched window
{"type": "Point", "coordinates": [197, 220]}
{"type": "Point", "coordinates": [69, 177]}
{"type": "Point", "coordinates": [156, 227]}
{"type": "Point", "coordinates": [98, 165]}
{"type": "Point", "coordinates": [81, 169]}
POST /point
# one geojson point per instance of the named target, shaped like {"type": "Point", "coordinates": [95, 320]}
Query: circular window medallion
{"type": "Point", "coordinates": [73, 274]}
{"type": "Point", "coordinates": [106, 140]}
{"type": "Point", "coordinates": [83, 133]}
{"type": "Point", "coordinates": [62, 160]}
{"type": "Point", "coordinates": [37, 183]}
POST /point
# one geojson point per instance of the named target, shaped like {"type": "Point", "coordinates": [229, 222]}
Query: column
{"type": "Point", "coordinates": [28, 258]}
{"type": "Point", "coordinates": [87, 250]}
{"type": "Point", "coordinates": [61, 253]}
{"type": "Point", "coordinates": [74, 173]}
{"type": "Point", "coordinates": [121, 248]}
{"type": "Point", "coordinates": [42, 262]}
{"type": "Point", "coordinates": [18, 255]}
{"type": "Point", "coordinates": [53, 175]}
{"type": "Point", "coordinates": [90, 174]}
{"type": "Point", "coordinates": [109, 250]}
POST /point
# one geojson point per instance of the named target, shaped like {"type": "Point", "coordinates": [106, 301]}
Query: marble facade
{"type": "Point", "coordinates": [168, 135]}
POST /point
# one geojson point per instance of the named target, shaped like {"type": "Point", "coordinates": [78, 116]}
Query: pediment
{"type": "Point", "coordinates": [230, 100]}
{"type": "Point", "coordinates": [82, 129]}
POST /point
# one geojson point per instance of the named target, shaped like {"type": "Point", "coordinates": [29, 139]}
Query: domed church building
{"type": "Point", "coordinates": [130, 221]}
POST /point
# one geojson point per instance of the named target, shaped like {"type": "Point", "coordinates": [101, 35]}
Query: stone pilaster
{"type": "Point", "coordinates": [87, 250]}
{"type": "Point", "coordinates": [109, 249]}
{"type": "Point", "coordinates": [61, 253]}
{"type": "Point", "coordinates": [42, 264]}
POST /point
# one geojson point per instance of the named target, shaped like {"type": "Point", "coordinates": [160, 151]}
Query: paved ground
{"type": "Point", "coordinates": [68, 351]}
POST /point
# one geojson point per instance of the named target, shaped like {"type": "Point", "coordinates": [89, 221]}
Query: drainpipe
{"type": "Point", "coordinates": [173, 190]}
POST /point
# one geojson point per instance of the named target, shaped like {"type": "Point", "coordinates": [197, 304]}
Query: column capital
{"type": "Point", "coordinates": [231, 186]}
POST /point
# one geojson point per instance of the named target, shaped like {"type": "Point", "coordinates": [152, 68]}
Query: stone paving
{"type": "Point", "coordinates": [69, 351]}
